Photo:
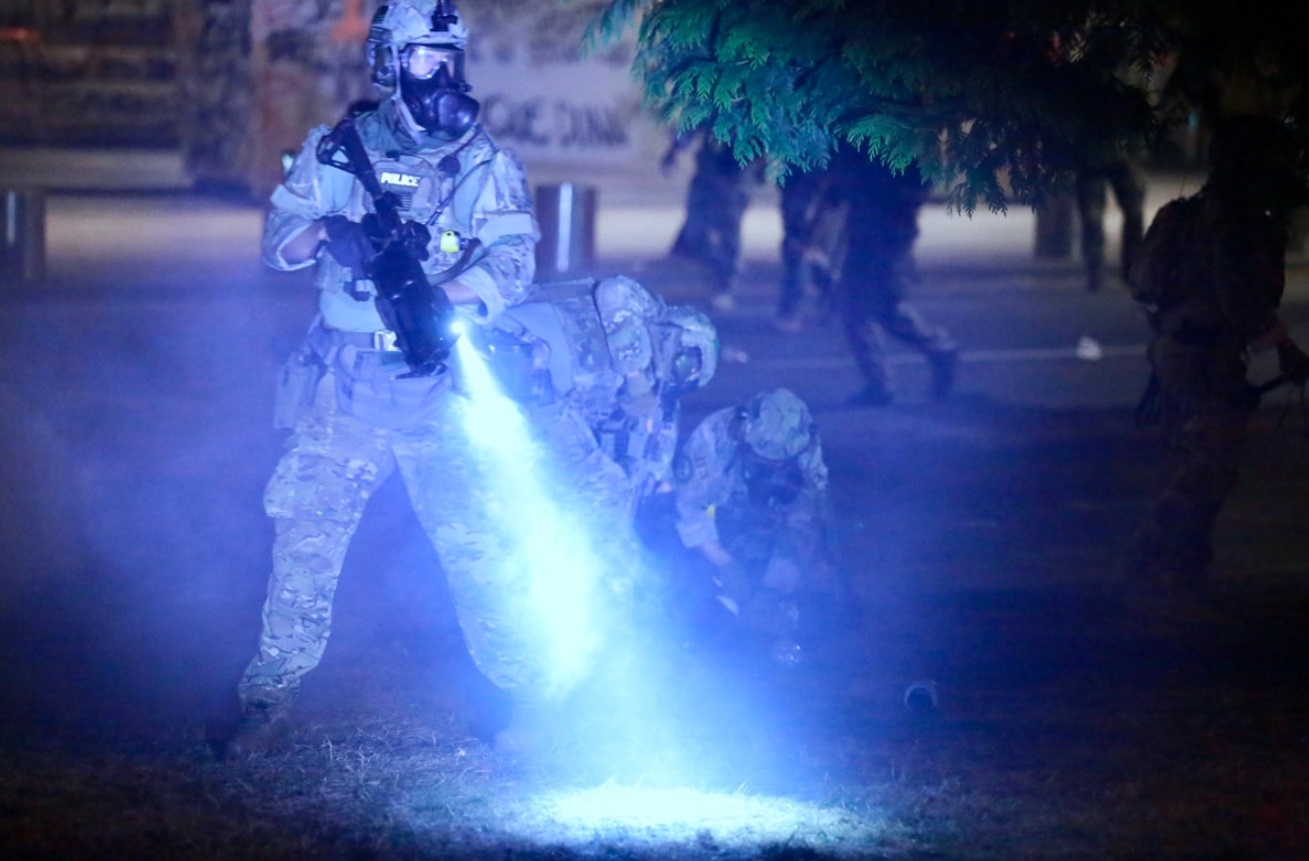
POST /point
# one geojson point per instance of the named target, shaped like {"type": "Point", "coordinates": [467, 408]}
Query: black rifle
{"type": "Point", "coordinates": [419, 312]}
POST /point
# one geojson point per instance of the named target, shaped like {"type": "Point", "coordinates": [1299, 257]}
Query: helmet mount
{"type": "Point", "coordinates": [439, 103]}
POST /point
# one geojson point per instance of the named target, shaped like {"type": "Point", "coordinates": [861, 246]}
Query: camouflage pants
{"type": "Point", "coordinates": [1203, 389]}
{"type": "Point", "coordinates": [321, 487]}
{"type": "Point", "coordinates": [809, 220]}
{"type": "Point", "coordinates": [716, 201]}
{"type": "Point", "coordinates": [876, 272]}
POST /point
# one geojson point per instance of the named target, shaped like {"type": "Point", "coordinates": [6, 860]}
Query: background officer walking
{"type": "Point", "coordinates": [717, 198]}
{"type": "Point", "coordinates": [1122, 174]}
{"type": "Point", "coordinates": [872, 254]}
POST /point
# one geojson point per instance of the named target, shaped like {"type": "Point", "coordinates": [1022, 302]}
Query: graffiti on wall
{"type": "Point", "coordinates": [541, 93]}
{"type": "Point", "coordinates": [87, 73]}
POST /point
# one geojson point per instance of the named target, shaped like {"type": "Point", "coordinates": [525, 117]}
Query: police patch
{"type": "Point", "coordinates": [396, 179]}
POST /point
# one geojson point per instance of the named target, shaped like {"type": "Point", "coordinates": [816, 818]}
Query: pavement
{"type": "Point", "coordinates": [99, 201]}
{"type": "Point", "coordinates": [141, 270]}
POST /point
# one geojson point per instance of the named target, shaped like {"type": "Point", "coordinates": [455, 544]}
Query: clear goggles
{"type": "Point", "coordinates": [686, 365]}
{"type": "Point", "coordinates": [424, 62]}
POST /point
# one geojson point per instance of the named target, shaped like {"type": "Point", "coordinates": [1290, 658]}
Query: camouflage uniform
{"type": "Point", "coordinates": [806, 200]}
{"type": "Point", "coordinates": [875, 269]}
{"type": "Point", "coordinates": [716, 200]}
{"type": "Point", "coordinates": [612, 351]}
{"type": "Point", "coordinates": [752, 479]}
{"type": "Point", "coordinates": [1211, 273]}
{"type": "Point", "coordinates": [363, 423]}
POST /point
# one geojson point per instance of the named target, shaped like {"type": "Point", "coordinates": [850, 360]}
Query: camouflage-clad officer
{"type": "Point", "coordinates": [717, 198]}
{"type": "Point", "coordinates": [752, 500]}
{"type": "Point", "coordinates": [863, 226]}
{"type": "Point", "coordinates": [624, 360]}
{"type": "Point", "coordinates": [1211, 273]}
{"type": "Point", "coordinates": [356, 417]}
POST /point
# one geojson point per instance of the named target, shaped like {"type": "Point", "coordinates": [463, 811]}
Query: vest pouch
{"type": "Point", "coordinates": [297, 382]}
{"type": "Point", "coordinates": [370, 387]}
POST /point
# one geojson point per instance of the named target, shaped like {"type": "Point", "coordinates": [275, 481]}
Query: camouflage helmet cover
{"type": "Point", "coordinates": [426, 22]}
{"type": "Point", "coordinates": [777, 425]}
{"type": "Point", "coordinates": [626, 311]}
{"type": "Point", "coordinates": [410, 22]}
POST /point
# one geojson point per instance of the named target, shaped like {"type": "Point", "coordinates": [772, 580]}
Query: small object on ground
{"type": "Point", "coordinates": [724, 303]}
{"type": "Point", "coordinates": [1089, 349]}
{"type": "Point", "coordinates": [921, 697]}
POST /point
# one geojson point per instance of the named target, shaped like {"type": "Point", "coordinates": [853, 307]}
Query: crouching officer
{"type": "Point", "coordinates": [751, 500]}
{"type": "Point", "coordinates": [618, 355]}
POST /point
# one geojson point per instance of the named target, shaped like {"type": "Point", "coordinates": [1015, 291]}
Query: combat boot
{"type": "Point", "coordinates": [264, 728]}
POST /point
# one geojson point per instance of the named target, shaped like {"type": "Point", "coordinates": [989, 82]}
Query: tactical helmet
{"type": "Point", "coordinates": [776, 425]}
{"type": "Point", "coordinates": [435, 98]}
{"type": "Point", "coordinates": [626, 311]}
{"type": "Point", "coordinates": [685, 349]}
{"type": "Point", "coordinates": [618, 297]}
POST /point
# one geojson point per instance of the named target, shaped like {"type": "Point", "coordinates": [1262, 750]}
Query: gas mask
{"type": "Point", "coordinates": [433, 88]}
{"type": "Point", "coordinates": [771, 482]}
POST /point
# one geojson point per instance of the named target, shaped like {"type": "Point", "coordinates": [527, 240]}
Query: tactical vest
{"type": "Point", "coordinates": [436, 188]}
{"type": "Point", "coordinates": [585, 371]}
{"type": "Point", "coordinates": [564, 317]}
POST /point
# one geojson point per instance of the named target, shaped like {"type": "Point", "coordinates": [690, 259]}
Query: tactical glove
{"type": "Point", "coordinates": [1292, 362]}
{"type": "Point", "coordinates": [349, 243]}
{"type": "Point", "coordinates": [415, 238]}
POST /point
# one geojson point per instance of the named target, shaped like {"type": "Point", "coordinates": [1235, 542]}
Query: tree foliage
{"type": "Point", "coordinates": [996, 100]}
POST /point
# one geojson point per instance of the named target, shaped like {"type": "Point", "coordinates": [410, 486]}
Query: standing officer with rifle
{"type": "Point", "coordinates": [414, 217]}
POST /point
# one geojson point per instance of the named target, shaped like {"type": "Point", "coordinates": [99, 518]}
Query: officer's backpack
{"type": "Point", "coordinates": [1165, 271]}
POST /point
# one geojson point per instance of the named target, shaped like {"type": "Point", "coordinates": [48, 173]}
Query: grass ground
{"type": "Point", "coordinates": [1066, 729]}
{"type": "Point", "coordinates": [136, 447]}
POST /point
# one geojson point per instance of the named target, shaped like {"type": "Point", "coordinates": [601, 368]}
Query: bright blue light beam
{"type": "Point", "coordinates": [634, 817]}
{"type": "Point", "coordinates": [549, 540]}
